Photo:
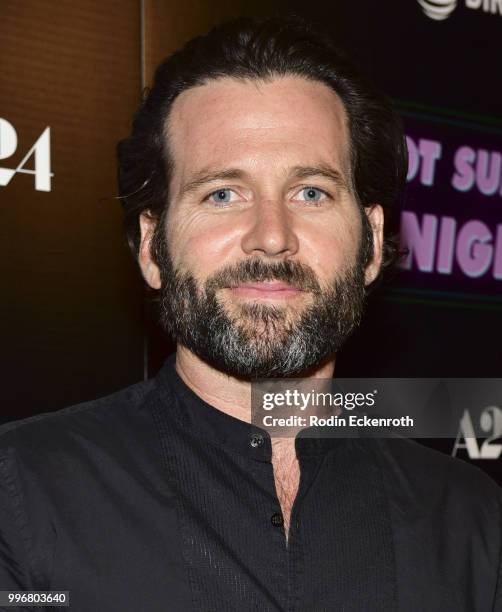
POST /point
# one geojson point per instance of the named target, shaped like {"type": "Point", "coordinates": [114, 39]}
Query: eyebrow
{"type": "Point", "coordinates": [202, 178]}
{"type": "Point", "coordinates": [299, 172]}
{"type": "Point", "coordinates": [323, 170]}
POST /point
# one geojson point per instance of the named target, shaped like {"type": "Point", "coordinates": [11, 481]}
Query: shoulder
{"type": "Point", "coordinates": [412, 470]}
{"type": "Point", "coordinates": [85, 420]}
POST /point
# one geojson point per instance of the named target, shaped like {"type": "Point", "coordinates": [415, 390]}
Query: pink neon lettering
{"type": "Point", "coordinates": [421, 242]}
{"type": "Point", "coordinates": [488, 167]}
{"type": "Point", "coordinates": [463, 179]}
{"type": "Point", "coordinates": [473, 253]}
{"type": "Point", "coordinates": [446, 245]}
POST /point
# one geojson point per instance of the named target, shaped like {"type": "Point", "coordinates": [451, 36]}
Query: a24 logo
{"type": "Point", "coordinates": [490, 421]}
{"type": "Point", "coordinates": [40, 150]}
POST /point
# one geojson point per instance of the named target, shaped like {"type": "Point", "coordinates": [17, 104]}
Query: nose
{"type": "Point", "coordinates": [271, 230]}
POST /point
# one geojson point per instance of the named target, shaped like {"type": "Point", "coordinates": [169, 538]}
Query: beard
{"type": "Point", "coordinates": [255, 340]}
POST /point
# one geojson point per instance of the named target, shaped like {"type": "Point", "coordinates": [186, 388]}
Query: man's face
{"type": "Point", "coordinates": [260, 269]}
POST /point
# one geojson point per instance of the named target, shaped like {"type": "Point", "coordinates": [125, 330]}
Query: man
{"type": "Point", "coordinates": [257, 184]}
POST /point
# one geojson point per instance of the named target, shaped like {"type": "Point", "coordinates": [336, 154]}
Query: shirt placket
{"type": "Point", "coordinates": [289, 552]}
{"type": "Point", "coordinates": [309, 468]}
{"type": "Point", "coordinates": [277, 553]}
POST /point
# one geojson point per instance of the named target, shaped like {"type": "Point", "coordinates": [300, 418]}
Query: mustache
{"type": "Point", "coordinates": [257, 270]}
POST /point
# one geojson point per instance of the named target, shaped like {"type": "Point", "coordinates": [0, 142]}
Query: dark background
{"type": "Point", "coordinates": [75, 320]}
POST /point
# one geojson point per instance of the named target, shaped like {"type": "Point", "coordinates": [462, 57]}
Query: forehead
{"type": "Point", "coordinates": [256, 124]}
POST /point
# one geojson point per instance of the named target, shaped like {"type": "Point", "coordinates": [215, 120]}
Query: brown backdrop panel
{"type": "Point", "coordinates": [170, 24]}
{"type": "Point", "coordinates": [72, 300]}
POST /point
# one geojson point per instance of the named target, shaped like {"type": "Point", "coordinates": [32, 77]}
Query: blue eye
{"type": "Point", "coordinates": [312, 194]}
{"type": "Point", "coordinates": [221, 196]}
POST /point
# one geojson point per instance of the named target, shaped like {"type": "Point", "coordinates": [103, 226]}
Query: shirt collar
{"type": "Point", "coordinates": [221, 429]}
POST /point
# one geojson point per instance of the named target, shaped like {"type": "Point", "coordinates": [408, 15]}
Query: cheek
{"type": "Point", "coordinates": [202, 245]}
{"type": "Point", "coordinates": [332, 246]}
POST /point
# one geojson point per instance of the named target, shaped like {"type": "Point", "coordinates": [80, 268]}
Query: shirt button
{"type": "Point", "coordinates": [277, 520]}
{"type": "Point", "coordinates": [256, 440]}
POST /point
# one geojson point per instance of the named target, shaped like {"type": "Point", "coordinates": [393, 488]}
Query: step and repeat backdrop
{"type": "Point", "coordinates": [75, 320]}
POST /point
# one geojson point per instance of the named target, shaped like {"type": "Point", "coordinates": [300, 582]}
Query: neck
{"type": "Point", "coordinates": [227, 393]}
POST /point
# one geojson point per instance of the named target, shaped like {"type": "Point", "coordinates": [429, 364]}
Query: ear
{"type": "Point", "coordinates": [375, 217]}
{"type": "Point", "coordinates": [149, 268]}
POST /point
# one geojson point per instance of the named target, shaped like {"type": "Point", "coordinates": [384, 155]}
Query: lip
{"type": "Point", "coordinates": [266, 289]}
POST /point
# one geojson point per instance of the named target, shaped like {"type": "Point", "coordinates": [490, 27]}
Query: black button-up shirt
{"type": "Point", "coordinates": [152, 500]}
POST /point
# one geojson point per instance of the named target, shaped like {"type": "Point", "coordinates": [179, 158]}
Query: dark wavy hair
{"type": "Point", "coordinates": [249, 48]}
